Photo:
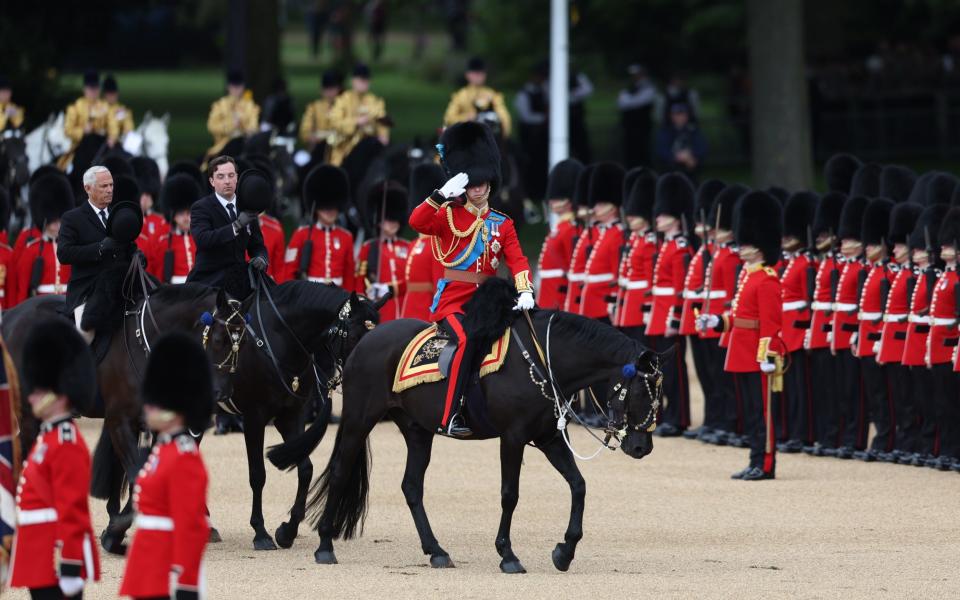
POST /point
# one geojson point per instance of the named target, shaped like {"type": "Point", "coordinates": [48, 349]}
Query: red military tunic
{"type": "Point", "coordinates": [755, 320]}
{"type": "Point", "coordinates": [918, 324]}
{"type": "Point", "coordinates": [871, 308]}
{"type": "Point", "coordinates": [421, 273]}
{"type": "Point", "coordinates": [332, 258]}
{"type": "Point", "coordinates": [154, 225]}
{"type": "Point", "coordinates": [795, 293]}
{"type": "Point", "coordinates": [694, 290]}
{"type": "Point", "coordinates": [668, 274]}
{"type": "Point", "coordinates": [53, 514]}
{"type": "Point", "coordinates": [8, 277]}
{"type": "Point", "coordinates": [392, 258]}
{"type": "Point", "coordinates": [170, 498]}
{"type": "Point", "coordinates": [55, 275]}
{"type": "Point", "coordinates": [943, 313]}
{"type": "Point", "coordinates": [184, 255]}
{"type": "Point", "coordinates": [273, 240]}
{"type": "Point", "coordinates": [846, 305]}
{"type": "Point", "coordinates": [894, 332]}
{"type": "Point", "coordinates": [470, 247]}
{"type": "Point", "coordinates": [722, 277]}
{"type": "Point", "coordinates": [555, 260]}
{"type": "Point", "coordinates": [820, 324]}
{"type": "Point", "coordinates": [636, 272]}
{"type": "Point", "coordinates": [600, 271]}
{"type": "Point", "coordinates": [575, 274]}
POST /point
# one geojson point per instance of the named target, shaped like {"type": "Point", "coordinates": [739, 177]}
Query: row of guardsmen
{"type": "Point", "coordinates": [858, 313]}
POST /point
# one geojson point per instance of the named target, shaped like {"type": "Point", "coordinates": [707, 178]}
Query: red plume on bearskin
{"type": "Point", "coordinates": [758, 223]}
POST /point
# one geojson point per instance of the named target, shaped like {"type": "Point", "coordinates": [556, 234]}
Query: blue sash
{"type": "Point", "coordinates": [473, 253]}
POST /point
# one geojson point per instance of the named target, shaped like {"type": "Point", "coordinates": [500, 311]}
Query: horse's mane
{"type": "Point", "coordinates": [590, 335]}
{"type": "Point", "coordinates": [184, 292]}
{"type": "Point", "coordinates": [309, 295]}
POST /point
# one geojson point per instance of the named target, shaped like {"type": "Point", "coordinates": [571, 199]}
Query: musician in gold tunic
{"type": "Point", "coordinates": [475, 98]}
{"type": "Point", "coordinates": [357, 114]}
{"type": "Point", "coordinates": [316, 128]}
{"type": "Point", "coordinates": [119, 117]}
{"type": "Point", "coordinates": [86, 116]}
{"type": "Point", "coordinates": [234, 115]}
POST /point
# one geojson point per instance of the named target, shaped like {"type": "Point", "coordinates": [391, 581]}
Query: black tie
{"type": "Point", "coordinates": [103, 217]}
{"type": "Point", "coordinates": [232, 211]}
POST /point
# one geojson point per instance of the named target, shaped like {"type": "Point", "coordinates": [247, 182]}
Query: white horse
{"type": "Point", "coordinates": [150, 139]}
{"type": "Point", "coordinates": [45, 143]}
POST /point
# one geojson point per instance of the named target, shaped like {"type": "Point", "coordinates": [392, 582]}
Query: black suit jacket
{"type": "Point", "coordinates": [218, 248]}
{"type": "Point", "coordinates": [78, 245]}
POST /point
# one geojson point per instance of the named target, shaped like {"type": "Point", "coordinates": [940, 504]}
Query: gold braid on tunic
{"type": "Point", "coordinates": [476, 229]}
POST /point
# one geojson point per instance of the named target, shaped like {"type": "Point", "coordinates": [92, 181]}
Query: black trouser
{"type": "Point", "coordinates": [799, 398]}
{"type": "Point", "coordinates": [724, 390]}
{"type": "Point", "coordinates": [922, 381]}
{"type": "Point", "coordinates": [824, 377]}
{"type": "Point", "coordinates": [947, 411]}
{"type": "Point", "coordinates": [758, 404]}
{"type": "Point", "coordinates": [879, 395]}
{"type": "Point", "coordinates": [906, 411]}
{"type": "Point", "coordinates": [52, 593]}
{"type": "Point", "coordinates": [701, 364]}
{"type": "Point", "coordinates": [676, 386]}
{"type": "Point", "coordinates": [852, 405]}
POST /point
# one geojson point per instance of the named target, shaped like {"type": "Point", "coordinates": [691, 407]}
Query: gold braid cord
{"type": "Point", "coordinates": [473, 231]}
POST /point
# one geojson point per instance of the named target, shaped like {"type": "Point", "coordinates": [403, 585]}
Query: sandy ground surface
{"type": "Point", "coordinates": [672, 525]}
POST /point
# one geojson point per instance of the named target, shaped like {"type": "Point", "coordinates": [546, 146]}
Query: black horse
{"type": "Point", "coordinates": [275, 354]}
{"type": "Point", "coordinates": [521, 406]}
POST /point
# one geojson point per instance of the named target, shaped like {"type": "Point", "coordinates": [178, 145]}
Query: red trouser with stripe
{"type": "Point", "coordinates": [755, 388]}
{"type": "Point", "coordinates": [461, 366]}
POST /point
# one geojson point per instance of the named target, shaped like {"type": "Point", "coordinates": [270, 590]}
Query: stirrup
{"type": "Point", "coordinates": [455, 428]}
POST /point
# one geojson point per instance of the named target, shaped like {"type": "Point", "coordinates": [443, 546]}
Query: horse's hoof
{"type": "Point", "coordinates": [283, 536]}
{"type": "Point", "coordinates": [441, 561]}
{"type": "Point", "coordinates": [215, 536]}
{"type": "Point", "coordinates": [560, 559]}
{"type": "Point", "coordinates": [263, 543]}
{"type": "Point", "coordinates": [113, 544]}
{"type": "Point", "coordinates": [324, 557]}
{"type": "Point", "coordinates": [512, 567]}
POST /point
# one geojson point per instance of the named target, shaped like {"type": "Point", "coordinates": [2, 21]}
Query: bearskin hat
{"type": "Point", "coordinates": [781, 194]}
{"type": "Point", "coordinates": [50, 196]}
{"type": "Point", "coordinates": [725, 204]}
{"type": "Point", "coordinates": [469, 147]}
{"type": "Point", "coordinates": [46, 170]}
{"type": "Point", "coordinates": [798, 215]}
{"type": "Point", "coordinates": [639, 202]}
{"type": "Point", "coordinates": [117, 165]}
{"type": "Point", "coordinates": [903, 219]}
{"type": "Point", "coordinates": [706, 195]}
{"type": "Point", "coordinates": [326, 186]}
{"type": "Point", "coordinates": [56, 358]}
{"type": "Point", "coordinates": [896, 182]}
{"type": "Point", "coordinates": [389, 197]}
{"type": "Point", "coordinates": [839, 172]}
{"type": "Point", "coordinates": [949, 234]}
{"type": "Point", "coordinates": [5, 208]}
{"type": "Point", "coordinates": [940, 188]}
{"type": "Point", "coordinates": [188, 168]}
{"type": "Point", "coordinates": [178, 378]}
{"type": "Point", "coordinates": [254, 191]}
{"type": "Point", "coordinates": [866, 181]}
{"type": "Point", "coordinates": [827, 218]}
{"type": "Point", "coordinates": [606, 184]}
{"type": "Point", "coordinates": [851, 218]}
{"type": "Point", "coordinates": [126, 189]}
{"type": "Point", "coordinates": [147, 172]}
{"type": "Point", "coordinates": [758, 224]}
{"type": "Point", "coordinates": [876, 222]}
{"type": "Point", "coordinates": [928, 225]}
{"type": "Point", "coordinates": [425, 178]}
{"type": "Point", "coordinates": [125, 221]}
{"type": "Point", "coordinates": [674, 196]}
{"type": "Point", "coordinates": [581, 192]}
{"type": "Point", "coordinates": [563, 179]}
{"type": "Point", "coordinates": [179, 192]}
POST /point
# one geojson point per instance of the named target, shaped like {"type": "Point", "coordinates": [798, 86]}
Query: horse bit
{"type": "Point", "coordinates": [236, 326]}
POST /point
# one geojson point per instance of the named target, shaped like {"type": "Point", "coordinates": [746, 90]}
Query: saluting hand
{"type": "Point", "coordinates": [455, 186]}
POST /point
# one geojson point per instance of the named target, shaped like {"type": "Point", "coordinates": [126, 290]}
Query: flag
{"type": "Point", "coordinates": [9, 456]}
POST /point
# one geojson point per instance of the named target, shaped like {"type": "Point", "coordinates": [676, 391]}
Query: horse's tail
{"type": "Point", "coordinates": [106, 467]}
{"type": "Point", "coordinates": [351, 508]}
{"type": "Point", "coordinates": [289, 454]}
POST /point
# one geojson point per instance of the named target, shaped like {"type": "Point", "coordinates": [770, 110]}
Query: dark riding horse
{"type": "Point", "coordinates": [579, 353]}
{"type": "Point", "coordinates": [272, 356]}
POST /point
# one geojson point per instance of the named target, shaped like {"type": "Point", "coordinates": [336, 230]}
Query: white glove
{"type": "Point", "coordinates": [768, 367]}
{"type": "Point", "coordinates": [853, 339]}
{"type": "Point", "coordinates": [829, 337]}
{"type": "Point", "coordinates": [525, 301]}
{"type": "Point", "coordinates": [71, 586]}
{"type": "Point", "coordinates": [876, 347]}
{"type": "Point", "coordinates": [705, 322]}
{"type": "Point", "coordinates": [377, 291]}
{"type": "Point", "coordinates": [455, 186]}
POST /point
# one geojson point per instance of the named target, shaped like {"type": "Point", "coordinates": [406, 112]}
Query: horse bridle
{"type": "Point", "coordinates": [236, 326]}
{"type": "Point", "coordinates": [652, 382]}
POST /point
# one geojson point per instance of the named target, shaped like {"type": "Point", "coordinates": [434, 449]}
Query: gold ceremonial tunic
{"type": "Point", "coordinates": [466, 101]}
{"type": "Point", "coordinates": [119, 121]}
{"type": "Point", "coordinates": [317, 123]}
{"type": "Point", "coordinates": [230, 118]}
{"type": "Point", "coordinates": [82, 113]}
{"type": "Point", "coordinates": [11, 116]}
{"type": "Point", "coordinates": [348, 107]}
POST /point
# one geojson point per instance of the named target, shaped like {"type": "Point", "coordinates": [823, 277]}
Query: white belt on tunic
{"type": "Point", "coordinates": [551, 273]}
{"type": "Point", "coordinates": [662, 291]}
{"type": "Point", "coordinates": [794, 305]}
{"type": "Point", "coordinates": [599, 278]}
{"type": "Point", "coordinates": [635, 285]}
{"type": "Point", "coordinates": [36, 516]}
{"type": "Point", "coordinates": [153, 523]}
{"type": "Point", "coordinates": [869, 316]}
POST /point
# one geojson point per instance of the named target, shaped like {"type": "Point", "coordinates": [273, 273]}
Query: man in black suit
{"type": "Point", "coordinates": [83, 243]}
{"type": "Point", "coordinates": [224, 236]}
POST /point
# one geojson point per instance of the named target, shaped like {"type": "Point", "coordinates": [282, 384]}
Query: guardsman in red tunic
{"type": "Point", "coordinates": [636, 266]}
{"type": "Point", "coordinates": [54, 551]}
{"type": "Point", "coordinates": [755, 352]}
{"type": "Point", "coordinates": [889, 350]}
{"type": "Point", "coordinates": [323, 251]}
{"type": "Point", "coordinates": [875, 288]}
{"type": "Point", "coordinates": [557, 248]}
{"type": "Point", "coordinates": [273, 239]}
{"type": "Point", "coordinates": [603, 264]}
{"type": "Point", "coordinates": [39, 272]}
{"type": "Point", "coordinates": [673, 205]}
{"type": "Point", "coordinates": [165, 559]}
{"type": "Point", "coordinates": [944, 315]}
{"type": "Point", "coordinates": [174, 253]}
{"type": "Point", "coordinates": [824, 372]}
{"type": "Point", "coordinates": [796, 286]}
{"type": "Point", "coordinates": [470, 241]}
{"type": "Point", "coordinates": [422, 271]}
{"type": "Point", "coordinates": [8, 290]}
{"type": "Point", "coordinates": [583, 243]}
{"type": "Point", "coordinates": [380, 266]}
